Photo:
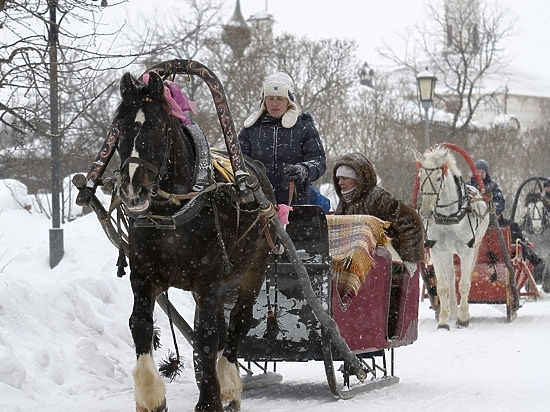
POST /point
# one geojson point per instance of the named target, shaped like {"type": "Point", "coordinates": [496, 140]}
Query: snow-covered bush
{"type": "Point", "coordinates": [14, 195]}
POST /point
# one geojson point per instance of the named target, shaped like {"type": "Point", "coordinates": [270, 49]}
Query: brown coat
{"type": "Point", "coordinates": [406, 229]}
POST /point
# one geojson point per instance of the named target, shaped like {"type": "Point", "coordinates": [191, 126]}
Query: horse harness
{"type": "Point", "coordinates": [204, 184]}
{"type": "Point", "coordinates": [464, 202]}
{"type": "Point", "coordinates": [540, 213]}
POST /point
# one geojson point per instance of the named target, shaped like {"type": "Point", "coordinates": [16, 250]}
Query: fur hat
{"type": "Point", "coordinates": [482, 165]}
{"type": "Point", "coordinates": [277, 84]}
{"type": "Point", "coordinates": [546, 183]}
{"type": "Point", "coordinates": [346, 171]}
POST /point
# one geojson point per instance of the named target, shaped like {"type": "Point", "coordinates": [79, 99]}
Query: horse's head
{"type": "Point", "coordinates": [436, 167]}
{"type": "Point", "coordinates": [146, 140]}
{"type": "Point", "coordinates": [533, 220]}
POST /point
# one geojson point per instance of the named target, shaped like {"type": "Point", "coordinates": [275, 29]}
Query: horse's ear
{"type": "Point", "coordinates": [417, 155]}
{"type": "Point", "coordinates": [127, 84]}
{"type": "Point", "coordinates": [156, 86]}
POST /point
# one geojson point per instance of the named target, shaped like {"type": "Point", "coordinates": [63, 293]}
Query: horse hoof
{"type": "Point", "coordinates": [443, 327]}
{"type": "Point", "coordinates": [462, 323]}
{"type": "Point", "coordinates": [161, 408]}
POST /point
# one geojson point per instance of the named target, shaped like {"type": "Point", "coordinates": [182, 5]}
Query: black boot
{"type": "Point", "coordinates": [530, 254]}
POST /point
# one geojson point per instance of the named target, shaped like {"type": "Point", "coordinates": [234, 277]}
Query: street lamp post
{"type": "Point", "coordinates": [426, 86]}
{"type": "Point", "coordinates": [56, 232]}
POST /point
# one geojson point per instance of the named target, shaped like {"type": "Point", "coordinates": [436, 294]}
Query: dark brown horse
{"type": "Point", "coordinates": [199, 239]}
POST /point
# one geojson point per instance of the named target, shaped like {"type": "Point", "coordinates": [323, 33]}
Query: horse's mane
{"type": "Point", "coordinates": [438, 156]}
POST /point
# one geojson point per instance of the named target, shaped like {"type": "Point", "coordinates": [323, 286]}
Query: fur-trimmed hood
{"type": "Point", "coordinates": [366, 176]}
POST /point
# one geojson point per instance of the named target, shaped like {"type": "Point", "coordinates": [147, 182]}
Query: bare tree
{"type": "Point", "coordinates": [189, 31]}
{"type": "Point", "coordinates": [32, 38]}
{"type": "Point", "coordinates": [462, 44]}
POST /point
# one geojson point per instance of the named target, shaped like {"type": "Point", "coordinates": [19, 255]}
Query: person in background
{"type": "Point", "coordinates": [355, 183]}
{"type": "Point", "coordinates": [499, 203]}
{"type": "Point", "coordinates": [285, 140]}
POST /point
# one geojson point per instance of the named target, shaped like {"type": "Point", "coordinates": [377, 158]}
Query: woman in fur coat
{"type": "Point", "coordinates": [355, 182]}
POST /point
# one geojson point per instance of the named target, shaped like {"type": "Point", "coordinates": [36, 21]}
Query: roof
{"type": "Point", "coordinates": [520, 82]}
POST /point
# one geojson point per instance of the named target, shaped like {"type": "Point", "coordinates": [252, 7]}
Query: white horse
{"type": "Point", "coordinates": [455, 218]}
{"type": "Point", "coordinates": [535, 219]}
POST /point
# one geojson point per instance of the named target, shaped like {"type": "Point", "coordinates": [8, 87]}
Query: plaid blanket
{"type": "Point", "coordinates": [353, 240]}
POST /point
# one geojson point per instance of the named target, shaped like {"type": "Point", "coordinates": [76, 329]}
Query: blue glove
{"type": "Point", "coordinates": [296, 172]}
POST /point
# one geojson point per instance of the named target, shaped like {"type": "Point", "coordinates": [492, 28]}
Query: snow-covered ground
{"type": "Point", "coordinates": [65, 343]}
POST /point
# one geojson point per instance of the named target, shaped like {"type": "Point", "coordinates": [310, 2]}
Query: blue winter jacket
{"type": "Point", "coordinates": [492, 187]}
{"type": "Point", "coordinates": [276, 146]}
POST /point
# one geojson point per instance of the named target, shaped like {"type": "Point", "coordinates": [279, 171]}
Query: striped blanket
{"type": "Point", "coordinates": [353, 240]}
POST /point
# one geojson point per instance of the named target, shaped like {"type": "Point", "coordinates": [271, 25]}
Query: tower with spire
{"type": "Point", "coordinates": [236, 33]}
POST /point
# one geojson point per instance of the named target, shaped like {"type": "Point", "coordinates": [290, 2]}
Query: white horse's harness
{"type": "Point", "coordinates": [464, 204]}
{"type": "Point", "coordinates": [462, 201]}
{"type": "Point", "coordinates": [538, 213]}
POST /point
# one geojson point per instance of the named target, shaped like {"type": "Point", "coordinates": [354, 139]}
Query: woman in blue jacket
{"type": "Point", "coordinates": [284, 140]}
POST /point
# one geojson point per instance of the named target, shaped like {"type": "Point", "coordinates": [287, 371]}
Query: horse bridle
{"type": "Point", "coordinates": [159, 172]}
{"type": "Point", "coordinates": [453, 218]}
{"type": "Point", "coordinates": [435, 192]}
{"type": "Point", "coordinates": [540, 213]}
{"type": "Point", "coordinates": [440, 218]}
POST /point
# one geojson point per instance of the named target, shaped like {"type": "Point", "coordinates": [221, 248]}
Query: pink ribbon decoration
{"type": "Point", "coordinates": [177, 101]}
{"type": "Point", "coordinates": [282, 213]}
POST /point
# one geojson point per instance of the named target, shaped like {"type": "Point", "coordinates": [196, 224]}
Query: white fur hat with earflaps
{"type": "Point", "coordinates": [277, 84]}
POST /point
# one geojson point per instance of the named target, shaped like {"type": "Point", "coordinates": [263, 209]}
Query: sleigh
{"type": "Point", "coordinates": [491, 279]}
{"type": "Point", "coordinates": [382, 317]}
